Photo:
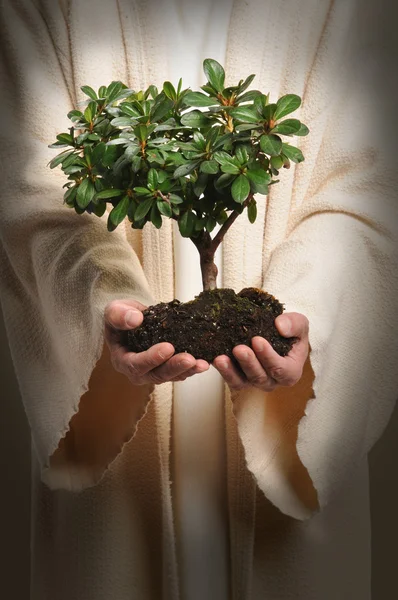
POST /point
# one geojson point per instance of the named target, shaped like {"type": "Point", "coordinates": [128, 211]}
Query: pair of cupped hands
{"type": "Point", "coordinates": [261, 366]}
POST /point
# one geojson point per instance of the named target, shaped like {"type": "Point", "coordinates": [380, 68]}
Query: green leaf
{"type": "Point", "coordinates": [164, 208]}
{"type": "Point", "coordinates": [60, 158]}
{"type": "Point", "coordinates": [230, 168]}
{"type": "Point", "coordinates": [242, 154]}
{"type": "Point", "coordinates": [141, 132]}
{"type": "Point", "coordinates": [287, 127]}
{"type": "Point", "coordinates": [119, 212]}
{"type": "Point", "coordinates": [240, 189]}
{"type": "Point", "coordinates": [195, 118]}
{"type": "Point", "coordinates": [86, 89]}
{"type": "Point", "coordinates": [200, 224]}
{"type": "Point", "coordinates": [143, 208]}
{"type": "Point", "coordinates": [70, 195]}
{"type": "Point", "coordinates": [136, 164]}
{"type": "Point", "coordinates": [199, 99]}
{"type": "Point", "coordinates": [214, 73]}
{"type": "Point", "coordinates": [102, 91]}
{"type": "Point", "coordinates": [186, 224]}
{"type": "Point", "coordinates": [109, 193]}
{"type": "Point", "coordinates": [277, 162]}
{"type": "Point", "coordinates": [155, 216]}
{"type": "Point", "coordinates": [152, 179]}
{"type": "Point", "coordinates": [90, 111]}
{"type": "Point", "coordinates": [293, 153]}
{"type": "Point", "coordinates": [252, 211]}
{"type": "Point", "coordinates": [169, 90]}
{"type": "Point", "coordinates": [243, 86]}
{"type": "Point", "coordinates": [65, 138]}
{"type": "Point", "coordinates": [122, 122]}
{"type": "Point", "coordinates": [225, 159]}
{"type": "Point", "coordinates": [303, 130]}
{"type": "Point", "coordinates": [259, 176]}
{"type": "Point", "coordinates": [209, 89]}
{"type": "Point", "coordinates": [286, 105]}
{"type": "Point", "coordinates": [75, 115]}
{"type": "Point", "coordinates": [113, 90]}
{"type": "Point", "coordinates": [85, 193]}
{"type": "Point", "coordinates": [142, 191]}
{"type": "Point", "coordinates": [174, 199]}
{"type": "Point", "coordinates": [209, 166]}
{"type": "Point", "coordinates": [199, 140]}
{"type": "Point", "coordinates": [153, 90]}
{"type": "Point", "coordinates": [200, 184]}
{"type": "Point", "coordinates": [99, 209]}
{"type": "Point", "coordinates": [210, 223]}
{"type": "Point", "coordinates": [271, 144]}
{"type": "Point", "coordinates": [244, 114]}
{"type": "Point", "coordinates": [223, 181]}
{"type": "Point", "coordinates": [109, 155]}
{"type": "Point", "coordinates": [129, 110]}
{"type": "Point", "coordinates": [251, 95]}
{"type": "Point", "coordinates": [117, 141]}
{"type": "Point", "coordinates": [246, 127]}
{"type": "Point", "coordinates": [222, 217]}
{"type": "Point", "coordinates": [161, 109]}
{"type": "Point", "coordinates": [185, 169]}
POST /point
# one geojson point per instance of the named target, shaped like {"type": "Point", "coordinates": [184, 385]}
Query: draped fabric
{"type": "Point", "coordinates": [324, 243]}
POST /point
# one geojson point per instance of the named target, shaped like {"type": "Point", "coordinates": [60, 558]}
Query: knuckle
{"type": "Point", "coordinates": [133, 370]}
{"type": "Point", "coordinates": [155, 378]}
{"type": "Point", "coordinates": [237, 387]}
{"type": "Point", "coordinates": [277, 373]}
{"type": "Point", "coordinates": [259, 380]}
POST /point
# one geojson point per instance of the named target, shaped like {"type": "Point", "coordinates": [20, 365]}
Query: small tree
{"type": "Point", "coordinates": [154, 154]}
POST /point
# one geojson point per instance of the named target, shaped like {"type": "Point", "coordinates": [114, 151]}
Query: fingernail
{"type": "Point", "coordinates": [131, 318]}
{"type": "Point", "coordinates": [223, 366]}
{"type": "Point", "coordinates": [285, 327]}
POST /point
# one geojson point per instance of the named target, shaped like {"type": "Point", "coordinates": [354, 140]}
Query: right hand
{"type": "Point", "coordinates": [156, 365]}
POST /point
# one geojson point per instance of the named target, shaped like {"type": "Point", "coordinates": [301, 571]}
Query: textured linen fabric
{"type": "Point", "coordinates": [324, 242]}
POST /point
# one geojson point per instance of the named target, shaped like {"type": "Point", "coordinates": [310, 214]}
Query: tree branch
{"type": "Point", "coordinates": [231, 219]}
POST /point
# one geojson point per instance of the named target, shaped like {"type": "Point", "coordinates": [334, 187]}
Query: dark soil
{"type": "Point", "coordinates": [212, 324]}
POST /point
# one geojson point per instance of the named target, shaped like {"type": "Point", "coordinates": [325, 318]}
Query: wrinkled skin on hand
{"type": "Point", "coordinates": [156, 365]}
{"type": "Point", "coordinates": [261, 366]}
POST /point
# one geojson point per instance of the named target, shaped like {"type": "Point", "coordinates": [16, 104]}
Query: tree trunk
{"type": "Point", "coordinates": [209, 271]}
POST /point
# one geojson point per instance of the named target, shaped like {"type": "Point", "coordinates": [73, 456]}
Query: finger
{"type": "Point", "coordinates": [292, 325]}
{"type": "Point", "coordinates": [284, 370]}
{"type": "Point", "coordinates": [137, 365]}
{"type": "Point", "coordinates": [122, 316]}
{"type": "Point", "coordinates": [176, 366]}
{"type": "Point", "coordinates": [200, 367]}
{"type": "Point", "coordinates": [253, 369]}
{"type": "Point", "coordinates": [225, 367]}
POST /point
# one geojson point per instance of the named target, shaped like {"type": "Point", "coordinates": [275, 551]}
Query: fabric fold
{"type": "Point", "coordinates": [58, 269]}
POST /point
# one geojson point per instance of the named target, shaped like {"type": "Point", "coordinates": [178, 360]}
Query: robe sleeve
{"type": "Point", "coordinates": [338, 265]}
{"type": "Point", "coordinates": [58, 269]}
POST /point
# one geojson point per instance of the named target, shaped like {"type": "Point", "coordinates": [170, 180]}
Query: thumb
{"type": "Point", "coordinates": [123, 315]}
{"type": "Point", "coordinates": [284, 325]}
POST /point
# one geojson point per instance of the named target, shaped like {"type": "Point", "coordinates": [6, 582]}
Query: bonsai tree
{"type": "Point", "coordinates": [198, 157]}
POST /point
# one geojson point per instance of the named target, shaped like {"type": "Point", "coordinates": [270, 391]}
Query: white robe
{"type": "Point", "coordinates": [324, 243]}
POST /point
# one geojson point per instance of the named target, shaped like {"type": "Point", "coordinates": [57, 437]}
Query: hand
{"type": "Point", "coordinates": [262, 367]}
{"type": "Point", "coordinates": [156, 365]}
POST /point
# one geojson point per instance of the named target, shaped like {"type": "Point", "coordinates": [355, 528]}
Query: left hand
{"type": "Point", "coordinates": [264, 368]}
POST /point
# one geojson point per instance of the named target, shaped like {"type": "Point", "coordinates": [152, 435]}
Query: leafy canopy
{"type": "Point", "coordinates": [193, 156]}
